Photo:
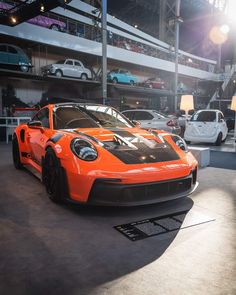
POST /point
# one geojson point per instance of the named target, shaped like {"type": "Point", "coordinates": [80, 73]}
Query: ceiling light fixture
{"type": "Point", "coordinates": [42, 8]}
{"type": "Point", "coordinates": [13, 19]}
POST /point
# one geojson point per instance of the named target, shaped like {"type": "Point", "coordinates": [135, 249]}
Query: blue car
{"type": "Point", "coordinates": [121, 76]}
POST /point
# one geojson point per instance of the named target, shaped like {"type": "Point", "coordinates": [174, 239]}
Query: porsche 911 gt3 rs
{"type": "Point", "coordinates": [88, 153]}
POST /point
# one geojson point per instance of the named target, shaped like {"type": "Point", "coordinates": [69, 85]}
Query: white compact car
{"type": "Point", "coordinates": [206, 126]}
{"type": "Point", "coordinates": [153, 119]}
{"type": "Point", "coordinates": [68, 67]}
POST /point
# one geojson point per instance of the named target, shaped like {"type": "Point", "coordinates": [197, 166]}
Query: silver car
{"type": "Point", "coordinates": [153, 119]}
{"type": "Point", "coordinates": [68, 67]}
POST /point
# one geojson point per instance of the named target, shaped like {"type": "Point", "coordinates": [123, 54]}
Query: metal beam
{"type": "Point", "coordinates": [177, 21]}
{"type": "Point", "coordinates": [104, 51]}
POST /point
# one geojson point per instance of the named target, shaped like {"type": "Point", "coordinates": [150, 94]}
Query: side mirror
{"type": "Point", "coordinates": [35, 125]}
{"type": "Point", "coordinates": [136, 123]}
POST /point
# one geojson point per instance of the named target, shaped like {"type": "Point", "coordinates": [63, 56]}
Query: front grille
{"type": "Point", "coordinates": [104, 191]}
{"type": "Point", "coordinates": [152, 191]}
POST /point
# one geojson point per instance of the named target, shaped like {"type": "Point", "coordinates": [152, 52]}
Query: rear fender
{"type": "Point", "coordinates": [21, 132]}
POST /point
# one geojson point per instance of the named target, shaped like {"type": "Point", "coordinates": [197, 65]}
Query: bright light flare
{"type": "Point", "coordinates": [224, 29]}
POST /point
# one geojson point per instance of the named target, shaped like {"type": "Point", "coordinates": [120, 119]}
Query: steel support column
{"type": "Point", "coordinates": [104, 51]}
{"type": "Point", "coordinates": [177, 21]}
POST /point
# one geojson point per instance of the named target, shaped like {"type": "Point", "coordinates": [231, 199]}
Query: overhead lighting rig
{"type": "Point", "coordinates": [28, 9]}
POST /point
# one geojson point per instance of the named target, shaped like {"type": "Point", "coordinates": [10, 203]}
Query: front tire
{"type": "Point", "coordinates": [114, 81]}
{"type": "Point", "coordinates": [24, 69]}
{"type": "Point", "coordinates": [16, 153]}
{"type": "Point", "coordinates": [52, 176]}
{"type": "Point", "coordinates": [55, 28]}
{"type": "Point", "coordinates": [58, 73]}
{"type": "Point", "coordinates": [219, 139]}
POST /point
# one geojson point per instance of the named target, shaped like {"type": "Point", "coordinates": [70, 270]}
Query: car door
{"type": "Point", "coordinates": [38, 137]}
{"type": "Point", "coordinates": [78, 69]}
{"type": "Point", "coordinates": [68, 69]}
{"type": "Point", "coordinates": [123, 78]}
{"type": "Point", "coordinates": [159, 121]}
{"type": "Point", "coordinates": [144, 117]}
{"type": "Point", "coordinates": [3, 54]}
{"type": "Point", "coordinates": [13, 56]}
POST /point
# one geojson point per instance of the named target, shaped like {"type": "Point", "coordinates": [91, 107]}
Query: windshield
{"type": "Point", "coordinates": [163, 116]}
{"type": "Point", "coordinates": [67, 117]}
{"type": "Point", "coordinates": [107, 116]}
{"type": "Point", "coordinates": [204, 116]}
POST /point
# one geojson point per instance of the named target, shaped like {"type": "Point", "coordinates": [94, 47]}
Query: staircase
{"type": "Point", "coordinates": [226, 86]}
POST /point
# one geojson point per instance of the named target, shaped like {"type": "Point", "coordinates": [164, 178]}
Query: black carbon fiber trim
{"type": "Point", "coordinates": [55, 138]}
{"type": "Point", "coordinates": [142, 153]}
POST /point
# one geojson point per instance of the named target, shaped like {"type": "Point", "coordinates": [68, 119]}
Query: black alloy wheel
{"type": "Point", "coordinates": [52, 176]}
{"type": "Point", "coordinates": [219, 139]}
{"type": "Point", "coordinates": [16, 153]}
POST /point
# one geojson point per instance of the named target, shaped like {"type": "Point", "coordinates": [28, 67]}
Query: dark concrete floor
{"type": "Point", "coordinates": [51, 249]}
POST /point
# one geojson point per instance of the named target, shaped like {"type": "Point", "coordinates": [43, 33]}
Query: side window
{"type": "Point", "coordinates": [43, 117]}
{"type": "Point", "coordinates": [69, 62]}
{"type": "Point", "coordinates": [3, 48]}
{"type": "Point", "coordinates": [139, 115]}
{"type": "Point", "coordinates": [129, 115]}
{"type": "Point", "coordinates": [77, 64]}
{"type": "Point", "coordinates": [12, 50]}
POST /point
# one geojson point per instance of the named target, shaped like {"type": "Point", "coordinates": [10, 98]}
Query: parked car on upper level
{"type": "Point", "coordinates": [155, 83]}
{"type": "Point", "coordinates": [153, 119]}
{"type": "Point", "coordinates": [14, 57]}
{"type": "Point", "coordinates": [122, 76]}
{"type": "Point", "coordinates": [206, 126]}
{"type": "Point", "coordinates": [68, 67]}
{"type": "Point", "coordinates": [39, 20]}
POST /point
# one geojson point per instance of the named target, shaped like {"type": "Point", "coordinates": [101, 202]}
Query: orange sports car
{"type": "Point", "coordinates": [89, 153]}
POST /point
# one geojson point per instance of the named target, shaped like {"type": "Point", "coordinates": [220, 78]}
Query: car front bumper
{"type": "Point", "coordinates": [107, 192]}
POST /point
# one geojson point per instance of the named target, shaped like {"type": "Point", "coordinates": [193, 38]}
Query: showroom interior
{"type": "Point", "coordinates": [118, 147]}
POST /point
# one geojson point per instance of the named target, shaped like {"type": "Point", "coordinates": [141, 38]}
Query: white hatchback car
{"type": "Point", "coordinates": [206, 126]}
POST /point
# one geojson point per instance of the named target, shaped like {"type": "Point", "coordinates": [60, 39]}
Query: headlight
{"type": "Point", "coordinates": [83, 149]}
{"type": "Point", "coordinates": [180, 142]}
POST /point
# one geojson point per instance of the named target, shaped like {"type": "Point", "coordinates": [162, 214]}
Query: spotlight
{"type": "Point", "coordinates": [13, 19]}
{"type": "Point", "coordinates": [42, 8]}
{"type": "Point", "coordinates": [224, 29]}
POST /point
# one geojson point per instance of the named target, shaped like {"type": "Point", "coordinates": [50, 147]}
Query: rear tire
{"type": "Point", "coordinates": [55, 27]}
{"type": "Point", "coordinates": [16, 153]}
{"type": "Point", "coordinates": [219, 139]}
{"type": "Point", "coordinates": [84, 77]}
{"type": "Point", "coordinates": [131, 83]}
{"type": "Point", "coordinates": [52, 176]}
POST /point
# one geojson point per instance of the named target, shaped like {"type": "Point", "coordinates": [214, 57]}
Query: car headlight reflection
{"type": "Point", "coordinates": [180, 142]}
{"type": "Point", "coordinates": [83, 149]}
